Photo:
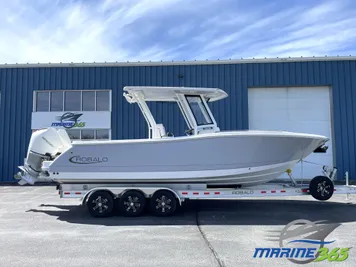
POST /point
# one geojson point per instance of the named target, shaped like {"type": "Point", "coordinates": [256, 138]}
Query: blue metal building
{"type": "Point", "coordinates": [18, 84]}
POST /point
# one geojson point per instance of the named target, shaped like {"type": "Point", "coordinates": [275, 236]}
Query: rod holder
{"type": "Point", "coordinates": [347, 184]}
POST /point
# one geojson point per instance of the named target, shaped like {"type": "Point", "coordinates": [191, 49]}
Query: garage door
{"type": "Point", "coordinates": [296, 109]}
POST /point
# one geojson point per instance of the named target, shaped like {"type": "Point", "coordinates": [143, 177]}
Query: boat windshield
{"type": "Point", "coordinates": [198, 108]}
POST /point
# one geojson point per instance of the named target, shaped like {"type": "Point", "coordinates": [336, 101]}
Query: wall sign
{"type": "Point", "coordinates": [69, 120]}
{"type": "Point", "coordinates": [72, 120]}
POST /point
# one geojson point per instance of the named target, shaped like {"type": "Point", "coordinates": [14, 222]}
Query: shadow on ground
{"type": "Point", "coordinates": [217, 212]}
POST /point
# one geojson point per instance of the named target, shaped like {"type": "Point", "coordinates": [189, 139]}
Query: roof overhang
{"type": "Point", "coordinates": [169, 94]}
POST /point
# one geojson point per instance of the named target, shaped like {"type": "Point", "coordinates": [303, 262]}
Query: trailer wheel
{"type": "Point", "coordinates": [132, 203]}
{"type": "Point", "coordinates": [100, 204]}
{"type": "Point", "coordinates": [321, 188]}
{"type": "Point", "coordinates": [163, 203]}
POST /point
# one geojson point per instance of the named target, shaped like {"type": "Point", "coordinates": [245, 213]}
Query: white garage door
{"type": "Point", "coordinates": [296, 109]}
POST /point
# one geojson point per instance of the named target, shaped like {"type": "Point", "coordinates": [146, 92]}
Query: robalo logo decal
{"type": "Point", "coordinates": [302, 241]}
{"type": "Point", "coordinates": [69, 120]}
{"type": "Point", "coordinates": [87, 160]}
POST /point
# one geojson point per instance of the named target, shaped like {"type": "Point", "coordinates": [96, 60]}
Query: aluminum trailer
{"type": "Point", "coordinates": [131, 199]}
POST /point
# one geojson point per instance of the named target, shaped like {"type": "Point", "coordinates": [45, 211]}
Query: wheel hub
{"type": "Point", "coordinates": [323, 188]}
{"type": "Point", "coordinates": [163, 203]}
{"type": "Point", "coordinates": [100, 204]}
{"type": "Point", "coordinates": [132, 204]}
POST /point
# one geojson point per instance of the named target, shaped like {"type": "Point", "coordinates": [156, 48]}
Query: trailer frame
{"type": "Point", "coordinates": [163, 199]}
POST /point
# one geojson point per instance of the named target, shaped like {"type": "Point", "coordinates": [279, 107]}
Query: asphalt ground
{"type": "Point", "coordinates": [37, 228]}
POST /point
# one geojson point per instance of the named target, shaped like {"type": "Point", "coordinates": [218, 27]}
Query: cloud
{"type": "Point", "coordinates": [143, 30]}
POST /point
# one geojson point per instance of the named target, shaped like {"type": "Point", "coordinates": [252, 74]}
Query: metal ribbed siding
{"type": "Point", "coordinates": [17, 87]}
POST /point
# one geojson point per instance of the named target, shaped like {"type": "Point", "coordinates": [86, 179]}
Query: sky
{"type": "Point", "coordinates": [143, 30]}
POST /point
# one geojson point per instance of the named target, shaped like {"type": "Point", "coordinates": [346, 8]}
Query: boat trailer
{"type": "Point", "coordinates": [131, 199]}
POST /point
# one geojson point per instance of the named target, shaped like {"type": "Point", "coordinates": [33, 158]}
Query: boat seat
{"type": "Point", "coordinates": [160, 131]}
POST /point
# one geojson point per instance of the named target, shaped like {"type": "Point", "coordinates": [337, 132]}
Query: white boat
{"type": "Point", "coordinates": [204, 155]}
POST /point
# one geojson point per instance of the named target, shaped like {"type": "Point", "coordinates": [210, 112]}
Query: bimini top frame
{"type": "Point", "coordinates": [169, 94]}
{"type": "Point", "coordinates": [192, 102]}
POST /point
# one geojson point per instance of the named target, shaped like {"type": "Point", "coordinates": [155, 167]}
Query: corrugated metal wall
{"type": "Point", "coordinates": [17, 87]}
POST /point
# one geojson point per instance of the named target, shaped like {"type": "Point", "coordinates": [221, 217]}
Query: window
{"type": "Point", "coordinates": [102, 101]}
{"type": "Point", "coordinates": [88, 101]}
{"type": "Point", "coordinates": [200, 113]}
{"type": "Point", "coordinates": [89, 134]}
{"type": "Point", "coordinates": [74, 134]}
{"type": "Point", "coordinates": [42, 100]}
{"type": "Point", "coordinates": [72, 100]}
{"type": "Point", "coordinates": [102, 134]}
{"type": "Point", "coordinates": [56, 101]}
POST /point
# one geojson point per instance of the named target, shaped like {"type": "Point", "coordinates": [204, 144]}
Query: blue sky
{"type": "Point", "coordinates": [142, 30]}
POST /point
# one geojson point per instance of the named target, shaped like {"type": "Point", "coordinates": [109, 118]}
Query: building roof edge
{"type": "Point", "coordinates": [172, 63]}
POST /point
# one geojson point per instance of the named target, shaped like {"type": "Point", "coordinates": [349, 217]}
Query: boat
{"type": "Point", "coordinates": [204, 154]}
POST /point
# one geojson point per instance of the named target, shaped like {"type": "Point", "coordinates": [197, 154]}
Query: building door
{"type": "Point", "coordinates": [295, 109]}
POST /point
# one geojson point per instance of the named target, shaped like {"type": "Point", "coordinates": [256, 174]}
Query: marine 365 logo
{"type": "Point", "coordinates": [302, 241]}
{"type": "Point", "coordinates": [87, 160]}
{"type": "Point", "coordinates": [69, 120]}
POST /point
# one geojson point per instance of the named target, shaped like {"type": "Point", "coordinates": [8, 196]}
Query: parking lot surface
{"type": "Point", "coordinates": [37, 228]}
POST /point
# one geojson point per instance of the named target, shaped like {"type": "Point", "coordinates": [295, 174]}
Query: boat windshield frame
{"type": "Point", "coordinates": [195, 127]}
{"type": "Point", "coordinates": [201, 111]}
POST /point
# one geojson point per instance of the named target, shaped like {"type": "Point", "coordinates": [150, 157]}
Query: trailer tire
{"type": "Point", "coordinates": [163, 203]}
{"type": "Point", "coordinates": [321, 188]}
{"type": "Point", "coordinates": [100, 204]}
{"type": "Point", "coordinates": [132, 203]}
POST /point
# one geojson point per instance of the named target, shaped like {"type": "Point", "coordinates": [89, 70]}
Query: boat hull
{"type": "Point", "coordinates": [238, 158]}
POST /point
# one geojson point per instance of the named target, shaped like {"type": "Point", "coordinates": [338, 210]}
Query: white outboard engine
{"type": "Point", "coordinates": [44, 144]}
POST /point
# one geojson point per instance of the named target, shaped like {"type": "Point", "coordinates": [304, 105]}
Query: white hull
{"type": "Point", "coordinates": [242, 176]}
{"type": "Point", "coordinates": [241, 158]}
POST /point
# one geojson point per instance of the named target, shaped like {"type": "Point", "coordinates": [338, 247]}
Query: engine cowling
{"type": "Point", "coordinates": [45, 144]}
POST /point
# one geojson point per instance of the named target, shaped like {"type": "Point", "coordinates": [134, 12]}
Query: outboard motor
{"type": "Point", "coordinates": [45, 144]}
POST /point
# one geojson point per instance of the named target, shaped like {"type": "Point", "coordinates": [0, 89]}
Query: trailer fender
{"type": "Point", "coordinates": [87, 195]}
{"type": "Point", "coordinates": [172, 191]}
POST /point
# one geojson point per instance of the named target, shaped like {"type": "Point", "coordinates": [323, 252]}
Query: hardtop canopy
{"type": "Point", "coordinates": [168, 94]}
